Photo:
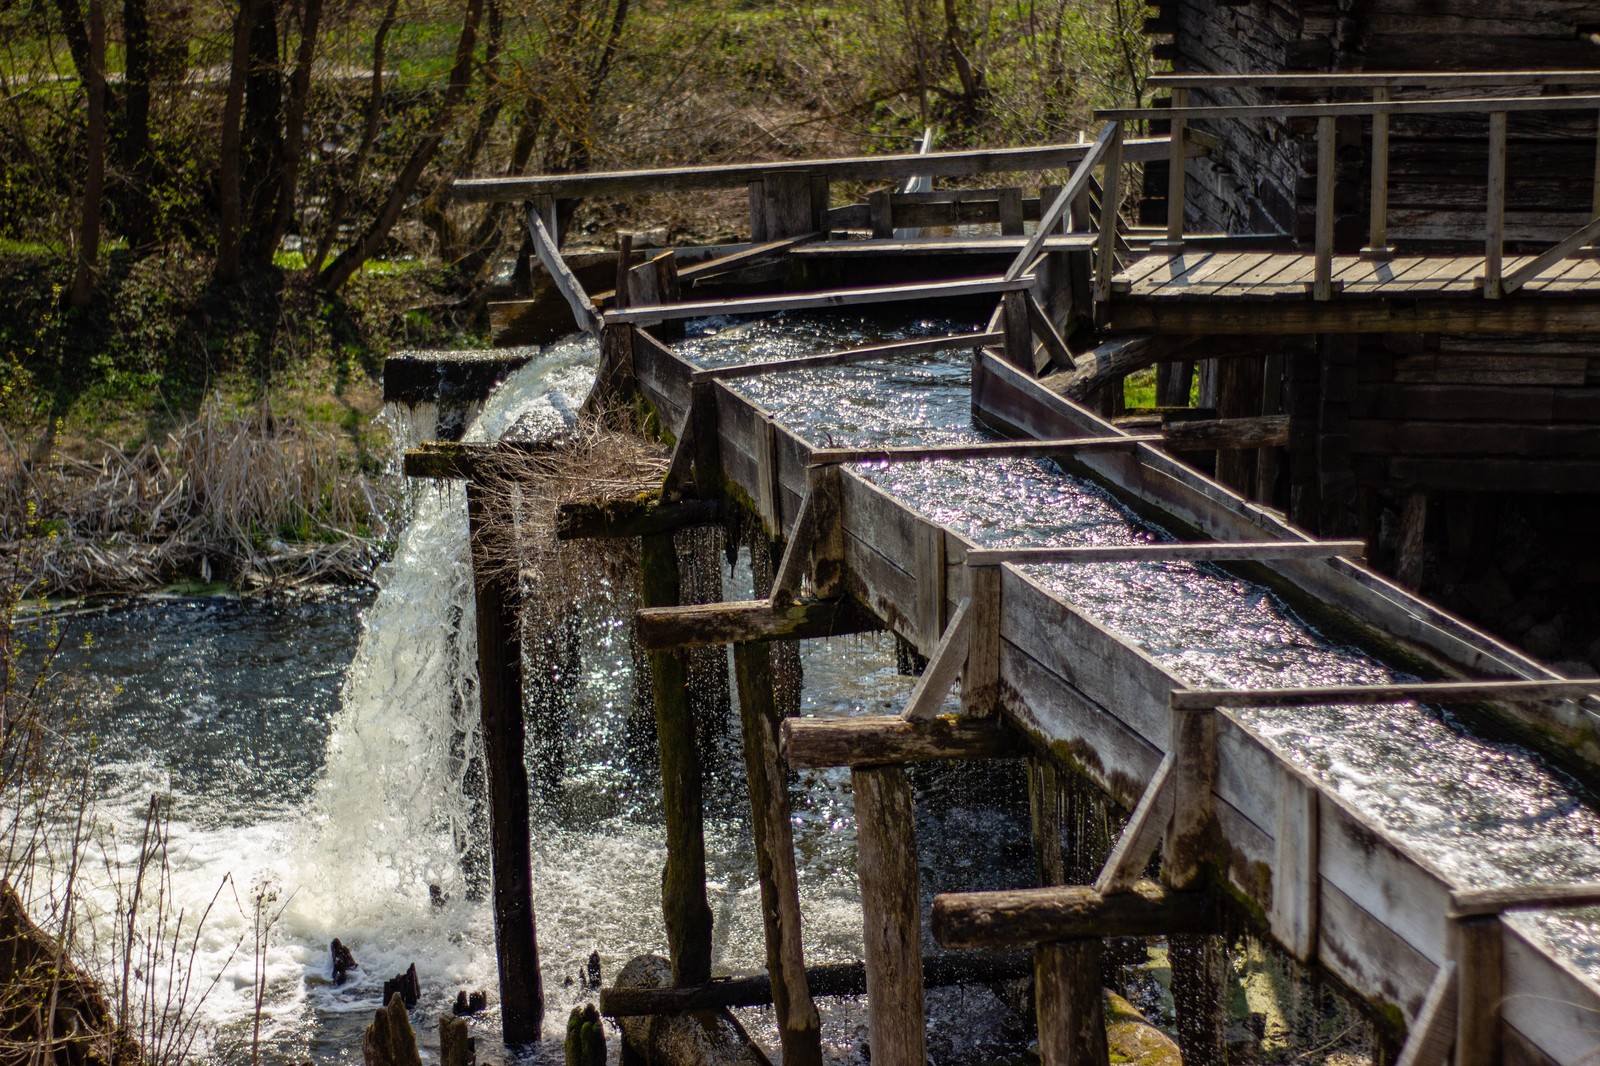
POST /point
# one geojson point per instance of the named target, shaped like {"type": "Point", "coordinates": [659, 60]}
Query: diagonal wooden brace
{"type": "Point", "coordinates": [948, 659]}
{"type": "Point", "coordinates": [1429, 1039]}
{"type": "Point", "coordinates": [1141, 835]}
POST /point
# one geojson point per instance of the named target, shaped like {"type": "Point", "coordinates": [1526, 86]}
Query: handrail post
{"type": "Point", "coordinates": [1105, 266]}
{"type": "Point", "coordinates": [1322, 286]}
{"type": "Point", "coordinates": [1494, 228]}
{"type": "Point", "coordinates": [1176, 176]}
{"type": "Point", "coordinates": [1378, 223]}
{"type": "Point", "coordinates": [1594, 209]}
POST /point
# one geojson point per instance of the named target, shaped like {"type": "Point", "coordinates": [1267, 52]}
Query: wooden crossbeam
{"type": "Point", "coordinates": [1468, 106]}
{"type": "Point", "coordinates": [613, 519]}
{"type": "Point", "coordinates": [1204, 434]}
{"type": "Point", "coordinates": [1518, 691]}
{"type": "Point", "coordinates": [1361, 80]}
{"type": "Point", "coordinates": [1017, 917]}
{"type": "Point", "coordinates": [751, 256]}
{"type": "Point", "coordinates": [1045, 330]}
{"type": "Point", "coordinates": [1470, 903]}
{"type": "Point", "coordinates": [1204, 552]}
{"type": "Point", "coordinates": [565, 280]}
{"type": "Point", "coordinates": [836, 979]}
{"type": "Point", "coordinates": [1531, 270]}
{"type": "Point", "coordinates": [1428, 1042]}
{"type": "Point", "coordinates": [943, 667]}
{"type": "Point", "coordinates": [998, 449]}
{"type": "Point", "coordinates": [796, 554]}
{"type": "Point", "coordinates": [452, 461]}
{"type": "Point", "coordinates": [884, 740]}
{"type": "Point", "coordinates": [743, 621]}
{"type": "Point", "coordinates": [1076, 185]}
{"type": "Point", "coordinates": [1141, 835]}
{"type": "Point", "coordinates": [844, 356]}
{"type": "Point", "coordinates": [877, 294]}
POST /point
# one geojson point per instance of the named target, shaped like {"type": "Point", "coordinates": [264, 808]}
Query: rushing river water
{"type": "Point", "coordinates": [312, 747]}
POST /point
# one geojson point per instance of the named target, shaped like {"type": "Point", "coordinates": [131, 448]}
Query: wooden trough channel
{"type": "Point", "coordinates": [1236, 825]}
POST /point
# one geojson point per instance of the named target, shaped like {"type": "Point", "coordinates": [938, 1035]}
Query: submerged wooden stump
{"type": "Point", "coordinates": [389, 1040]}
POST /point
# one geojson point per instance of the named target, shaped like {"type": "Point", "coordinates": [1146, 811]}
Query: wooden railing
{"type": "Point", "coordinates": [1379, 110]}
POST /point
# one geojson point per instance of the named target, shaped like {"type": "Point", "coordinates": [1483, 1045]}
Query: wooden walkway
{"type": "Point", "coordinates": [1201, 291]}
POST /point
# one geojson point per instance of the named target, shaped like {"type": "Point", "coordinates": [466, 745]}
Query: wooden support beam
{"type": "Point", "coordinates": [613, 519]}
{"type": "Point", "coordinates": [1176, 172]}
{"type": "Point", "coordinates": [566, 282]}
{"type": "Point", "coordinates": [998, 449]}
{"type": "Point", "coordinates": [614, 382]}
{"type": "Point", "coordinates": [1322, 286]}
{"type": "Point", "coordinates": [1531, 312]}
{"type": "Point", "coordinates": [1478, 947]}
{"type": "Point", "coordinates": [754, 255]}
{"type": "Point", "coordinates": [1188, 856]}
{"type": "Point", "coordinates": [799, 1028]}
{"type": "Point", "coordinates": [1494, 225]}
{"type": "Point", "coordinates": [845, 356]}
{"type": "Point", "coordinates": [891, 911]}
{"type": "Point", "coordinates": [1534, 268]}
{"type": "Point", "coordinates": [1045, 330]}
{"type": "Point", "coordinates": [1201, 435]}
{"type": "Point", "coordinates": [793, 566]}
{"type": "Point", "coordinates": [1245, 551]}
{"type": "Point", "coordinates": [680, 465]}
{"type": "Point", "coordinates": [452, 461]}
{"type": "Point", "coordinates": [1010, 199]}
{"type": "Point", "coordinates": [980, 674]}
{"type": "Point", "coordinates": [1105, 149]}
{"type": "Point", "coordinates": [892, 739]}
{"type": "Point", "coordinates": [1430, 1036]}
{"type": "Point", "coordinates": [498, 613]}
{"type": "Point", "coordinates": [683, 883]}
{"type": "Point", "coordinates": [862, 297]}
{"type": "Point", "coordinates": [1409, 554]}
{"type": "Point", "coordinates": [1378, 207]}
{"type": "Point", "coordinates": [836, 979]}
{"type": "Point", "coordinates": [1296, 908]}
{"type": "Point", "coordinates": [944, 665]}
{"type": "Point", "coordinates": [1444, 692]}
{"type": "Point", "coordinates": [1018, 344]}
{"type": "Point", "coordinates": [1028, 916]}
{"type": "Point", "coordinates": [1142, 834]}
{"type": "Point", "coordinates": [743, 621]}
{"type": "Point", "coordinates": [1105, 259]}
{"type": "Point", "coordinates": [827, 563]}
{"type": "Point", "coordinates": [1472, 903]}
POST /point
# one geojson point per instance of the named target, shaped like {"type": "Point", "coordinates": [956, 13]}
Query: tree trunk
{"type": "Point", "coordinates": [262, 138]}
{"type": "Point", "coordinates": [77, 34]}
{"type": "Point", "coordinates": [293, 125]}
{"type": "Point", "coordinates": [351, 259]}
{"type": "Point", "coordinates": [138, 63]}
{"type": "Point", "coordinates": [95, 175]}
{"type": "Point", "coordinates": [229, 207]}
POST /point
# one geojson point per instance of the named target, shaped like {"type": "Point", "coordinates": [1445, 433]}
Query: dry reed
{"type": "Point", "coordinates": [253, 498]}
{"type": "Point", "coordinates": [603, 459]}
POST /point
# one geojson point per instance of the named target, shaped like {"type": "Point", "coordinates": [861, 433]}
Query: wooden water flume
{"type": "Point", "coordinates": [1224, 823]}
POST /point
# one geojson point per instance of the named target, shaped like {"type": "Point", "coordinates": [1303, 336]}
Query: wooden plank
{"type": "Point", "coordinates": [753, 255]}
{"type": "Point", "coordinates": [1295, 82]}
{"type": "Point", "coordinates": [944, 665]}
{"type": "Point", "coordinates": [1045, 329]}
{"type": "Point", "coordinates": [869, 168]}
{"type": "Point", "coordinates": [884, 740]}
{"type": "Point", "coordinates": [834, 298]}
{"type": "Point", "coordinates": [928, 566]}
{"type": "Point", "coordinates": [1472, 106]}
{"type": "Point", "coordinates": [1441, 692]}
{"type": "Point", "coordinates": [1171, 269]}
{"type": "Point", "coordinates": [886, 861]}
{"type": "Point", "coordinates": [1105, 149]}
{"type": "Point", "coordinates": [1262, 431]}
{"type": "Point", "coordinates": [1545, 260]}
{"type": "Point", "coordinates": [1105, 256]}
{"type": "Point", "coordinates": [617, 519]}
{"type": "Point", "coordinates": [999, 449]}
{"type": "Point", "coordinates": [1480, 967]}
{"type": "Point", "coordinates": [1430, 1036]}
{"type": "Point", "coordinates": [980, 674]}
{"type": "Point", "coordinates": [1531, 312]}
{"type": "Point", "coordinates": [565, 280]}
{"type": "Point", "coordinates": [1470, 903]}
{"type": "Point", "coordinates": [1140, 837]}
{"type": "Point", "coordinates": [796, 555]}
{"type": "Point", "coordinates": [1016, 917]}
{"type": "Point", "coordinates": [1296, 879]}
{"type": "Point", "coordinates": [1198, 552]}
{"type": "Point", "coordinates": [741, 621]}
{"type": "Point", "coordinates": [845, 356]}
{"type": "Point", "coordinates": [953, 246]}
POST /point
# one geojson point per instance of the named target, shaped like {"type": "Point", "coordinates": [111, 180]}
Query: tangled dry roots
{"type": "Point", "coordinates": [605, 458]}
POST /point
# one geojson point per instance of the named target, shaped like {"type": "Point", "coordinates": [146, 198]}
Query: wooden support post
{"type": "Point", "coordinates": [1271, 406]}
{"type": "Point", "coordinates": [1018, 330]}
{"type": "Point", "coordinates": [1594, 202]}
{"type": "Point", "coordinates": [1378, 212]}
{"type": "Point", "coordinates": [1010, 211]}
{"type": "Point", "coordinates": [1494, 226]}
{"type": "Point", "coordinates": [1327, 166]}
{"type": "Point", "coordinates": [1105, 261]}
{"type": "Point", "coordinates": [980, 676]}
{"type": "Point", "coordinates": [614, 383]}
{"type": "Point", "coordinates": [758, 211]}
{"type": "Point", "coordinates": [500, 691]}
{"type": "Point", "coordinates": [1199, 963]}
{"type": "Point", "coordinates": [880, 209]}
{"type": "Point", "coordinates": [1072, 1026]}
{"type": "Point", "coordinates": [891, 909]}
{"type": "Point", "coordinates": [799, 1029]}
{"type": "Point", "coordinates": [1176, 159]}
{"type": "Point", "coordinates": [1174, 380]}
{"type": "Point", "coordinates": [1479, 950]}
{"type": "Point", "coordinates": [1296, 877]}
{"type": "Point", "coordinates": [827, 543]}
{"type": "Point", "coordinates": [683, 884]}
{"type": "Point", "coordinates": [1409, 552]}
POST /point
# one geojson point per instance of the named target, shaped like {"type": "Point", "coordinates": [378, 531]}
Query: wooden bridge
{"type": "Point", "coordinates": [1236, 825]}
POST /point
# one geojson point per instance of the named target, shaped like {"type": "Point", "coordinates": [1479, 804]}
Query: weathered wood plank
{"type": "Point", "coordinates": [613, 519]}
{"type": "Point", "coordinates": [944, 665]}
{"type": "Point", "coordinates": [1446, 692]}
{"type": "Point", "coordinates": [878, 294]}
{"type": "Point", "coordinates": [1198, 552]}
{"type": "Point", "coordinates": [742, 621]}
{"type": "Point", "coordinates": [565, 280]}
{"type": "Point", "coordinates": [1142, 834]}
{"type": "Point", "coordinates": [886, 861]}
{"type": "Point", "coordinates": [1023, 916]}
{"type": "Point", "coordinates": [999, 449]}
{"type": "Point", "coordinates": [849, 355]}
{"type": "Point", "coordinates": [883, 740]}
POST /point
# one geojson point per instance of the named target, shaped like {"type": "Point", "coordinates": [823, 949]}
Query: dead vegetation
{"type": "Point", "coordinates": [248, 497]}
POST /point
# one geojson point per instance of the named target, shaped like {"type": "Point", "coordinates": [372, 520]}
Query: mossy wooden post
{"type": "Point", "coordinates": [799, 1028]}
{"type": "Point", "coordinates": [1199, 962]}
{"type": "Point", "coordinates": [891, 911]}
{"type": "Point", "coordinates": [498, 612]}
{"type": "Point", "coordinates": [683, 883]}
{"type": "Point", "coordinates": [1072, 1027]}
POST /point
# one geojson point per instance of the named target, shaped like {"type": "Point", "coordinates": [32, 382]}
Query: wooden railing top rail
{"type": "Point", "coordinates": [850, 168]}
{"type": "Point", "coordinates": [1366, 80]}
{"type": "Point", "coordinates": [1454, 106]}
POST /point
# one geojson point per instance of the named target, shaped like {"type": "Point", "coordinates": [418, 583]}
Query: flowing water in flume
{"type": "Point", "coordinates": [1484, 814]}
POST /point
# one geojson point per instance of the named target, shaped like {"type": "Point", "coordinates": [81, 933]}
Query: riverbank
{"type": "Point", "coordinates": [176, 432]}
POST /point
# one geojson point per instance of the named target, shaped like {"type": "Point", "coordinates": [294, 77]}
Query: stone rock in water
{"type": "Point", "coordinates": [404, 985]}
{"type": "Point", "coordinates": [696, 1038]}
{"type": "Point", "coordinates": [389, 1040]}
{"type": "Point", "coordinates": [343, 961]}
